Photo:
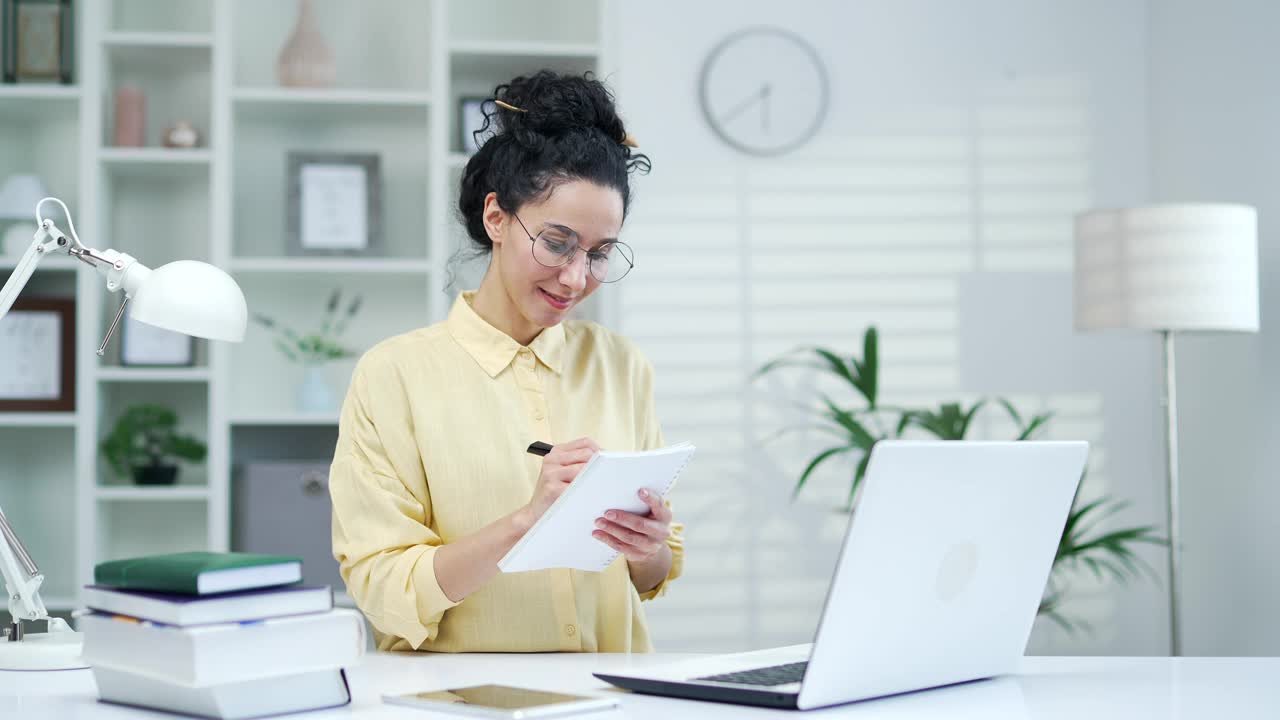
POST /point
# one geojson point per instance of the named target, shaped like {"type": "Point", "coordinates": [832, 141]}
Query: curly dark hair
{"type": "Point", "coordinates": [569, 130]}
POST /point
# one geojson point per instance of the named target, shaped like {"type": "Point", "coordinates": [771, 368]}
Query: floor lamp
{"type": "Point", "coordinates": [1170, 269]}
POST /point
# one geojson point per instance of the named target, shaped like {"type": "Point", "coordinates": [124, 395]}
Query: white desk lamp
{"type": "Point", "coordinates": [184, 296]}
{"type": "Point", "coordinates": [1168, 268]}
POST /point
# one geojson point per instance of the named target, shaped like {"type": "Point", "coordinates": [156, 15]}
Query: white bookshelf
{"type": "Point", "coordinates": [402, 67]}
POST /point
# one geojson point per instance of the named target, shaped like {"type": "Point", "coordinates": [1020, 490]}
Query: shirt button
{"type": "Point", "coordinates": [570, 630]}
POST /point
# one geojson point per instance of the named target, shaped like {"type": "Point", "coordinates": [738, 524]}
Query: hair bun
{"type": "Point", "coordinates": [551, 105]}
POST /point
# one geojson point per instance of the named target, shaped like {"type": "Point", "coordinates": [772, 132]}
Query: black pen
{"type": "Point", "coordinates": [539, 448]}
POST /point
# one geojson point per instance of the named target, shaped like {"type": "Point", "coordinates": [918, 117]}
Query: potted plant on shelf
{"type": "Point", "coordinates": [145, 441]}
{"type": "Point", "coordinates": [314, 350]}
{"type": "Point", "coordinates": [855, 429]}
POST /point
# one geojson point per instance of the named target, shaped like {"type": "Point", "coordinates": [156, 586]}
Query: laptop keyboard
{"type": "Point", "coordinates": [775, 675]}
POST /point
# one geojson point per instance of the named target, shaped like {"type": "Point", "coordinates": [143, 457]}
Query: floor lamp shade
{"type": "Point", "coordinates": [1167, 267]}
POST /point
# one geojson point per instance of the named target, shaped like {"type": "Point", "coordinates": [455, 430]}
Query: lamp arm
{"type": "Point", "coordinates": [22, 579]}
{"type": "Point", "coordinates": [46, 240]}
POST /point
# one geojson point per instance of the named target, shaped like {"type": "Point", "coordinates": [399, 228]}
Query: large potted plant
{"type": "Point", "coordinates": [144, 443]}
{"type": "Point", "coordinates": [856, 428]}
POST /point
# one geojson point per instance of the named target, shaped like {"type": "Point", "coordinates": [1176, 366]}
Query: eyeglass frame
{"type": "Point", "coordinates": [533, 241]}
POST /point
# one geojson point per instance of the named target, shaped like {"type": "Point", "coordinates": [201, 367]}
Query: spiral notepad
{"type": "Point", "coordinates": [561, 538]}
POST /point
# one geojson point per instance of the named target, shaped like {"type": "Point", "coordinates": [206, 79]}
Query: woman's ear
{"type": "Point", "coordinates": [494, 217]}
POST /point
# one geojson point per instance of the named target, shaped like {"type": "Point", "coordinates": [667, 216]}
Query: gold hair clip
{"type": "Point", "coordinates": [629, 140]}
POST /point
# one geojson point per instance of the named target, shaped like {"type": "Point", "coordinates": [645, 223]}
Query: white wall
{"type": "Point", "coordinates": [1215, 136]}
{"type": "Point", "coordinates": [936, 203]}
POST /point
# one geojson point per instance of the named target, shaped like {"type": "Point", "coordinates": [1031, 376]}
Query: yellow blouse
{"type": "Point", "coordinates": [431, 447]}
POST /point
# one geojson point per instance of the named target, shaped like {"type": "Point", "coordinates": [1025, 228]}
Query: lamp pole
{"type": "Point", "coordinates": [1170, 402]}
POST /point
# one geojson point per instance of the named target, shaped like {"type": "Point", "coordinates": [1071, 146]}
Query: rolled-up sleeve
{"type": "Point", "coordinates": [652, 439]}
{"type": "Point", "coordinates": [382, 536]}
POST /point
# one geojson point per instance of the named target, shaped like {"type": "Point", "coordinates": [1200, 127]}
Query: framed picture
{"type": "Point", "coordinates": [148, 345]}
{"type": "Point", "coordinates": [38, 356]}
{"type": "Point", "coordinates": [38, 42]}
{"type": "Point", "coordinates": [470, 120]}
{"type": "Point", "coordinates": [335, 203]}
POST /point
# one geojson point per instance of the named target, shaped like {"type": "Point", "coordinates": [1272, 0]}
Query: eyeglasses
{"type": "Point", "coordinates": [556, 246]}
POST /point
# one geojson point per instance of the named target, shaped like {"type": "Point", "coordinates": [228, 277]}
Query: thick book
{"type": "Point", "coordinates": [225, 653]}
{"type": "Point", "coordinates": [254, 698]}
{"type": "Point", "coordinates": [185, 610]}
{"type": "Point", "coordinates": [611, 480]}
{"type": "Point", "coordinates": [199, 573]}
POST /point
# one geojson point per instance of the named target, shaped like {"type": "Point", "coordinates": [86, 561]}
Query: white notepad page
{"type": "Point", "coordinates": [561, 538]}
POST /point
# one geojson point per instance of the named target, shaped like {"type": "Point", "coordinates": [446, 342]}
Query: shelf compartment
{"type": "Point", "coordinates": [132, 528]}
{"type": "Point", "coordinates": [176, 89]}
{"type": "Point", "coordinates": [38, 493]}
{"type": "Point", "coordinates": [161, 17]}
{"type": "Point", "coordinates": [261, 29]}
{"type": "Point", "coordinates": [265, 386]}
{"type": "Point", "coordinates": [398, 135]}
{"type": "Point", "coordinates": [190, 400]}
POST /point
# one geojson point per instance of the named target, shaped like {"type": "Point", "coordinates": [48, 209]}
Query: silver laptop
{"type": "Point", "coordinates": [938, 582]}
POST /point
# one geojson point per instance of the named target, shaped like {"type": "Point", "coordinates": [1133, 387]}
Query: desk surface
{"type": "Point", "coordinates": [1046, 688]}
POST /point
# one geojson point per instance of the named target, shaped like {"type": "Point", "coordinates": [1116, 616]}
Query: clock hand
{"type": "Point", "coordinates": [742, 106]}
{"type": "Point", "coordinates": [766, 93]}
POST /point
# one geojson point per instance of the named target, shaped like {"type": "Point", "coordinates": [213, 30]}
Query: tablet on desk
{"type": "Point", "coordinates": [502, 701]}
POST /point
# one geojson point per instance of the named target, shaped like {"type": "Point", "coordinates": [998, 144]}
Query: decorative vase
{"type": "Point", "coordinates": [314, 394]}
{"type": "Point", "coordinates": [305, 60]}
{"type": "Point", "coordinates": [156, 475]}
{"type": "Point", "coordinates": [131, 117]}
{"type": "Point", "coordinates": [181, 134]}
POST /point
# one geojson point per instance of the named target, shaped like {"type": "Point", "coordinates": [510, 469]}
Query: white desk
{"type": "Point", "coordinates": [1047, 688]}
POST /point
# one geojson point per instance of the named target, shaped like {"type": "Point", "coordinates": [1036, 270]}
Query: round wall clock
{"type": "Point", "coordinates": [764, 90]}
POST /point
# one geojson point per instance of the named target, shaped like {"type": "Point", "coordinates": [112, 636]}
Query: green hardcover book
{"type": "Point", "coordinates": [199, 573]}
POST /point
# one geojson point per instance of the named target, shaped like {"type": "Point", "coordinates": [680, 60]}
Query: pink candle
{"type": "Point", "coordinates": [131, 117]}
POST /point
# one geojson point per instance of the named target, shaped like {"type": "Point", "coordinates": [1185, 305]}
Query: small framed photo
{"type": "Point", "coordinates": [470, 120]}
{"type": "Point", "coordinates": [149, 346]}
{"type": "Point", "coordinates": [38, 40]}
{"type": "Point", "coordinates": [38, 356]}
{"type": "Point", "coordinates": [334, 203]}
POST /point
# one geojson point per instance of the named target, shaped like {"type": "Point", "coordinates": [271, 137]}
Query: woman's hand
{"type": "Point", "coordinates": [559, 468]}
{"type": "Point", "coordinates": [641, 538]}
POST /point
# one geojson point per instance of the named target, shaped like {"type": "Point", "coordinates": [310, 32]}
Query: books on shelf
{"type": "Point", "coordinates": [199, 573]}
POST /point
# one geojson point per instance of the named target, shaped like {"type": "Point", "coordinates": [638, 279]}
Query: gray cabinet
{"type": "Point", "coordinates": [283, 507]}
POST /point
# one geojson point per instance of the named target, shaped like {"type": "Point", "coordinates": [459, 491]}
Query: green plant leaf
{"type": "Point", "coordinates": [818, 460]}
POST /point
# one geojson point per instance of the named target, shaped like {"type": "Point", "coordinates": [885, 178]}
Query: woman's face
{"type": "Point", "coordinates": [577, 210]}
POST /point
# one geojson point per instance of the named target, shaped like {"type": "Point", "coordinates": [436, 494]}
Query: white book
{"type": "Point", "coordinates": [227, 652]}
{"type": "Point", "coordinates": [611, 480]}
{"type": "Point", "coordinates": [230, 701]}
{"type": "Point", "coordinates": [184, 610]}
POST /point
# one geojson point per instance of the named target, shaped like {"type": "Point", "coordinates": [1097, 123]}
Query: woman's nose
{"type": "Point", "coordinates": [574, 273]}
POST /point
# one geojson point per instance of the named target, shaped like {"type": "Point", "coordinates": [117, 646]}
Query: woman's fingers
{"type": "Point", "coordinates": [657, 506]}
{"type": "Point", "coordinates": [651, 527]}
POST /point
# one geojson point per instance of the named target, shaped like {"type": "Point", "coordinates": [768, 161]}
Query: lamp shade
{"type": "Point", "coordinates": [1167, 267]}
{"type": "Point", "coordinates": [19, 197]}
{"type": "Point", "coordinates": [193, 298]}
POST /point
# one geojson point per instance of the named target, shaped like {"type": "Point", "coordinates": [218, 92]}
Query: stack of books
{"type": "Point", "coordinates": [221, 635]}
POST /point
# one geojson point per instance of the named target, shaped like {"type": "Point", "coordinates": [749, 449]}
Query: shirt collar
{"type": "Point", "coordinates": [493, 349]}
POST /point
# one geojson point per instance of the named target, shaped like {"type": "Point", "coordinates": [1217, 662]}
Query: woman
{"type": "Point", "coordinates": [431, 481]}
